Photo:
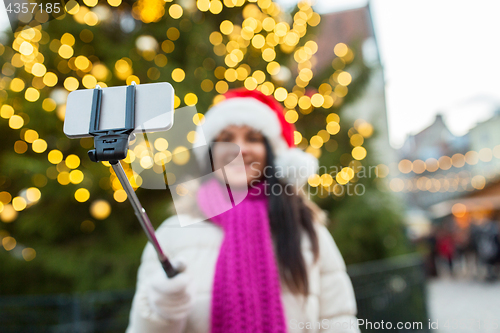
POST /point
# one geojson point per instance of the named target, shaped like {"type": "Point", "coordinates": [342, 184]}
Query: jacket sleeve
{"type": "Point", "coordinates": [337, 303]}
{"type": "Point", "coordinates": [142, 318]}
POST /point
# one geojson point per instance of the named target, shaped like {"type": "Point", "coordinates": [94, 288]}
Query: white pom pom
{"type": "Point", "coordinates": [295, 166]}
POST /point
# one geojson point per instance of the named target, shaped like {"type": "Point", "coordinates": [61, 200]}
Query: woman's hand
{"type": "Point", "coordinates": [171, 298]}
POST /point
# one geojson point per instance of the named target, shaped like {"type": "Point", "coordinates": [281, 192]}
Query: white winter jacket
{"type": "Point", "coordinates": [330, 306]}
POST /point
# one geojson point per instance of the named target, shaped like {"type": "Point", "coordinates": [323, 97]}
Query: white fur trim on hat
{"type": "Point", "coordinates": [295, 166]}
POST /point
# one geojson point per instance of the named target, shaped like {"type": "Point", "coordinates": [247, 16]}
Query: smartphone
{"type": "Point", "coordinates": [154, 109]}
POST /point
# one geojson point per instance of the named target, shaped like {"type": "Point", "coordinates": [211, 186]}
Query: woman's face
{"type": "Point", "coordinates": [253, 151]}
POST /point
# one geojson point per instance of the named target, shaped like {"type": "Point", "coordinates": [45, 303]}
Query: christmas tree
{"type": "Point", "coordinates": [66, 225]}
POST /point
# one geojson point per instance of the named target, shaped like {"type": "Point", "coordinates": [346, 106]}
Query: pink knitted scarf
{"type": "Point", "coordinates": [246, 295]}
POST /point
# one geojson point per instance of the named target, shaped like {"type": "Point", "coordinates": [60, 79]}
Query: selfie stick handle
{"type": "Point", "coordinates": [112, 145]}
{"type": "Point", "coordinates": [143, 218]}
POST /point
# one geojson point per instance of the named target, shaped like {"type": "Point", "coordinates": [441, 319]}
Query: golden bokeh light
{"type": "Point", "coordinates": [445, 162]}
{"type": "Point", "coordinates": [358, 153]}
{"type": "Point", "coordinates": [76, 176]}
{"type": "Point", "coordinates": [418, 166]}
{"type": "Point", "coordinates": [478, 182]}
{"type": "Point", "coordinates": [405, 166]}
{"type": "Point", "coordinates": [89, 81]}
{"type": "Point", "coordinates": [38, 70]}
{"type": "Point", "coordinates": [82, 195]}
{"type": "Point", "coordinates": [5, 197]}
{"type": "Point", "coordinates": [485, 154]}
{"type": "Point", "coordinates": [68, 39]}
{"type": "Point", "coordinates": [120, 195]}
{"type": "Point", "coordinates": [28, 253]}
{"type": "Point", "coordinates": [39, 146]}
{"type": "Point", "coordinates": [20, 147]}
{"type": "Point", "coordinates": [356, 140]}
{"type": "Point", "coordinates": [459, 210]}
{"type": "Point", "coordinates": [333, 127]}
{"type": "Point", "coordinates": [33, 194]}
{"type": "Point", "coordinates": [31, 94]}
{"type": "Point", "coordinates": [16, 122]}
{"type": "Point", "coordinates": [30, 136]}
{"type": "Point", "coordinates": [72, 161]}
{"type": "Point", "coordinates": [100, 209]}
{"type": "Point", "coordinates": [6, 111]}
{"type": "Point", "coordinates": [297, 137]}
{"type": "Point", "coordinates": [250, 83]}
{"type": "Point", "coordinates": [458, 160]}
{"type": "Point", "coordinates": [432, 164]}
{"type": "Point", "coordinates": [396, 185]}
{"type": "Point", "coordinates": [146, 162]}
{"type": "Point", "coordinates": [198, 119]}
{"type": "Point", "coordinates": [365, 129]}
{"type": "Point", "coordinates": [178, 75]}
{"type": "Point", "coordinates": [314, 180]}
{"type": "Point", "coordinates": [340, 50]}
{"type": "Point", "coordinates": [382, 171]}
{"type": "Point", "coordinates": [26, 48]}
{"type": "Point", "coordinates": [63, 178]}
{"type": "Point", "coordinates": [91, 19]}
{"type": "Point", "coordinates": [175, 11]}
{"type": "Point", "coordinates": [191, 136]}
{"type": "Point", "coordinates": [317, 100]}
{"type": "Point", "coordinates": [65, 51]}
{"type": "Point", "coordinates": [190, 99]}
{"type": "Point", "coordinates": [8, 213]}
{"type": "Point", "coordinates": [71, 83]}
{"type": "Point", "coordinates": [226, 27]}
{"type": "Point", "coordinates": [9, 243]}
{"type": "Point", "coordinates": [55, 156]}
{"type": "Point", "coordinates": [181, 155]}
{"type": "Point", "coordinates": [344, 78]}
{"type": "Point", "coordinates": [16, 84]}
{"type": "Point", "coordinates": [18, 203]}
{"type": "Point", "coordinates": [280, 94]}
{"type": "Point", "coordinates": [161, 144]}
{"type": "Point", "coordinates": [50, 79]}
{"type": "Point", "coordinates": [115, 3]}
{"type": "Point", "coordinates": [316, 142]}
{"type": "Point", "coordinates": [291, 116]}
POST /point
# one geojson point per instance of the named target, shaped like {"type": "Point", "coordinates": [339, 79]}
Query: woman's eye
{"type": "Point", "coordinates": [255, 139]}
{"type": "Point", "coordinates": [224, 138]}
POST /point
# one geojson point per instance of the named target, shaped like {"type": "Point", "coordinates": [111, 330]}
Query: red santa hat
{"type": "Point", "coordinates": [264, 113]}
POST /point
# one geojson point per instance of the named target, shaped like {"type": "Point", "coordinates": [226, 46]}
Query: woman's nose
{"type": "Point", "coordinates": [243, 146]}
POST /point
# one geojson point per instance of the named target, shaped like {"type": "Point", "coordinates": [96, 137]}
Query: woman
{"type": "Point", "coordinates": [263, 261]}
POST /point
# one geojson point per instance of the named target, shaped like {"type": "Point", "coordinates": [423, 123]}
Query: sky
{"type": "Point", "coordinates": [438, 57]}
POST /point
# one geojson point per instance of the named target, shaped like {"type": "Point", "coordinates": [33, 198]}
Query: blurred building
{"type": "Point", "coordinates": [434, 141]}
{"type": "Point", "coordinates": [423, 167]}
{"type": "Point", "coordinates": [354, 28]}
{"type": "Point", "coordinates": [484, 139]}
{"type": "Point", "coordinates": [440, 173]}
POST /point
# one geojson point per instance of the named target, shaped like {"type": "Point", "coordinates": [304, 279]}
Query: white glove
{"type": "Point", "coordinates": [171, 298]}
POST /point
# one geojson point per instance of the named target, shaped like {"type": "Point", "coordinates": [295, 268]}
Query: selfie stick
{"type": "Point", "coordinates": [112, 145]}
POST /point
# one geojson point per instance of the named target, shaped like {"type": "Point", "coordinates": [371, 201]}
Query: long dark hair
{"type": "Point", "coordinates": [288, 215]}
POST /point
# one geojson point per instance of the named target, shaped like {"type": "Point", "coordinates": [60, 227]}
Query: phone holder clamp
{"type": "Point", "coordinates": [111, 144]}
